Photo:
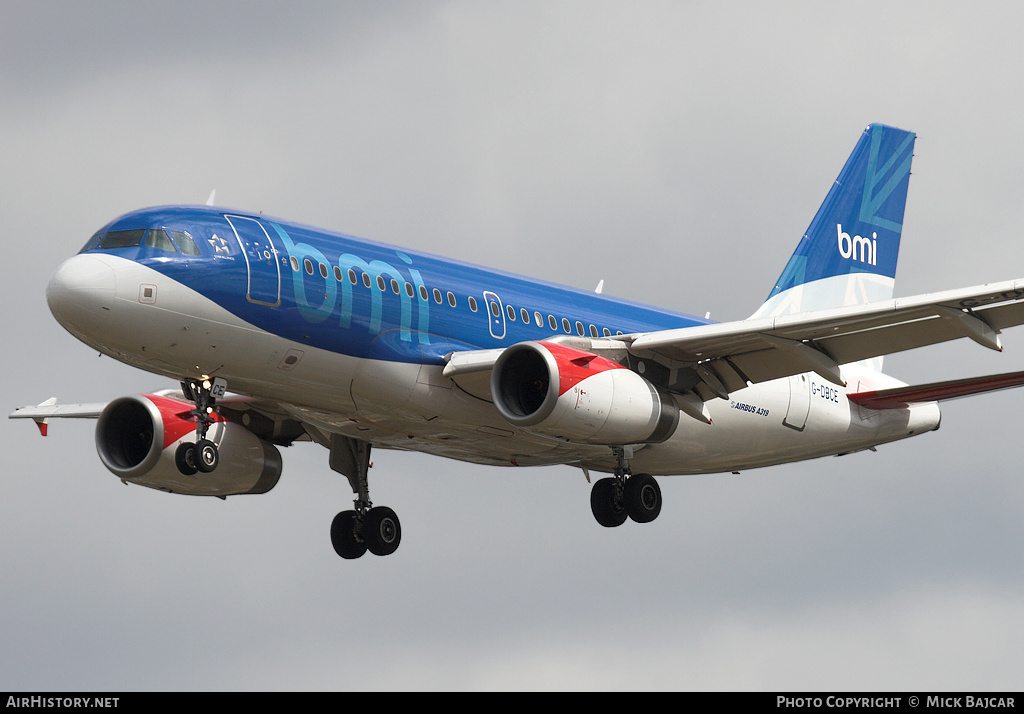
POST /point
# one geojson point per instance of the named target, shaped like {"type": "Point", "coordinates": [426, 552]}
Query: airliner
{"type": "Point", "coordinates": [278, 332]}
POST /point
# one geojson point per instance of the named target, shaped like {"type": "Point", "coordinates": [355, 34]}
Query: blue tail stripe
{"type": "Point", "coordinates": [870, 205]}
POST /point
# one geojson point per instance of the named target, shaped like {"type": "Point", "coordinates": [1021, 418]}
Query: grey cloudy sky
{"type": "Point", "coordinates": [675, 150]}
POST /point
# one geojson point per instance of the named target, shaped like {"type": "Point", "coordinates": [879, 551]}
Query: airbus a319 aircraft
{"type": "Point", "coordinates": [278, 332]}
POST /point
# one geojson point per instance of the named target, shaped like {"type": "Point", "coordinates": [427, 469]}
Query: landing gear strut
{"type": "Point", "coordinates": [203, 454]}
{"type": "Point", "coordinates": [614, 498]}
{"type": "Point", "coordinates": [366, 527]}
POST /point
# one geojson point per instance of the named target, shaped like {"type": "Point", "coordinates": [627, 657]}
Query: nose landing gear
{"type": "Point", "coordinates": [203, 455]}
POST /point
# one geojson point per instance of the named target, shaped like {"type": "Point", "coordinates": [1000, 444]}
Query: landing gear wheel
{"type": "Point", "coordinates": [345, 537]}
{"type": "Point", "coordinates": [185, 458]}
{"type": "Point", "coordinates": [606, 502]}
{"type": "Point", "coordinates": [206, 456]}
{"type": "Point", "coordinates": [382, 531]}
{"type": "Point", "coordinates": [643, 498]}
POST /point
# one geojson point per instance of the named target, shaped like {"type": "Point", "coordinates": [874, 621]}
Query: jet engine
{"type": "Point", "coordinates": [579, 396]}
{"type": "Point", "coordinates": [137, 437]}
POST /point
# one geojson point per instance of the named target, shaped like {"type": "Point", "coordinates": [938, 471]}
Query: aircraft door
{"type": "Point", "coordinates": [799, 402]}
{"type": "Point", "coordinates": [264, 287]}
{"type": "Point", "coordinates": [495, 315]}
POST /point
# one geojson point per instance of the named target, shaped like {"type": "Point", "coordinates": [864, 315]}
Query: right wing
{"type": "Point", "coordinates": [51, 409]}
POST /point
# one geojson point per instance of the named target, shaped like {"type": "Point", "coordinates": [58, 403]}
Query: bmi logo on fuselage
{"type": "Point", "coordinates": [859, 248]}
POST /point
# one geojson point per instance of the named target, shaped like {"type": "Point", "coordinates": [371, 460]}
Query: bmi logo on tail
{"type": "Point", "coordinates": [857, 248]}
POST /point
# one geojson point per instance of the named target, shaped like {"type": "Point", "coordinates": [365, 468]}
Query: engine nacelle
{"type": "Point", "coordinates": [568, 393]}
{"type": "Point", "coordinates": [137, 437]}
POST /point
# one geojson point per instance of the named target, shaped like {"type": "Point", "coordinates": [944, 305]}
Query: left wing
{"type": "Point", "coordinates": [714, 360]}
{"type": "Point", "coordinates": [729, 355]}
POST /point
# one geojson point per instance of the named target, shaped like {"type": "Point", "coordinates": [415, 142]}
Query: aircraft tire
{"type": "Point", "coordinates": [643, 498]}
{"type": "Point", "coordinates": [185, 458]}
{"type": "Point", "coordinates": [382, 531]}
{"type": "Point", "coordinates": [608, 511]}
{"type": "Point", "coordinates": [206, 456]}
{"type": "Point", "coordinates": [344, 537]}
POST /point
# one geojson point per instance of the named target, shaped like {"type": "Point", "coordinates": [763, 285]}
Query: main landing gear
{"type": "Point", "coordinates": [623, 495]}
{"type": "Point", "coordinates": [201, 456]}
{"type": "Point", "coordinates": [366, 527]}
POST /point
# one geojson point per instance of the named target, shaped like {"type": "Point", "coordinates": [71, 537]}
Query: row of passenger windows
{"type": "Point", "coordinates": [425, 295]}
{"type": "Point", "coordinates": [567, 325]}
{"type": "Point", "coordinates": [157, 238]}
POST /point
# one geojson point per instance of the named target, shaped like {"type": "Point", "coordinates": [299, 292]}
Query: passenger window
{"type": "Point", "coordinates": [394, 286]}
{"type": "Point", "coordinates": [495, 310]}
{"type": "Point", "coordinates": [295, 263]}
{"type": "Point", "coordinates": [122, 239]}
{"type": "Point", "coordinates": [579, 328]}
{"type": "Point", "coordinates": [566, 326]}
{"type": "Point", "coordinates": [606, 332]}
{"type": "Point", "coordinates": [437, 296]}
{"type": "Point", "coordinates": [309, 266]}
{"type": "Point", "coordinates": [472, 303]}
{"type": "Point", "coordinates": [338, 275]}
{"type": "Point", "coordinates": [409, 291]}
{"type": "Point", "coordinates": [511, 311]}
{"type": "Point", "coordinates": [423, 293]}
{"type": "Point", "coordinates": [525, 315]}
{"type": "Point", "coordinates": [188, 246]}
{"type": "Point", "coordinates": [381, 285]}
{"type": "Point", "coordinates": [451, 298]}
{"type": "Point", "coordinates": [593, 331]}
{"type": "Point", "coordinates": [539, 319]}
{"type": "Point", "coordinates": [352, 277]}
{"type": "Point", "coordinates": [552, 322]}
{"type": "Point", "coordinates": [323, 270]}
{"type": "Point", "coordinates": [366, 279]}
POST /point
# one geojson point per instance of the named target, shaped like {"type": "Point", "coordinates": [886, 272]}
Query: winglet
{"type": "Point", "coordinates": [41, 421]}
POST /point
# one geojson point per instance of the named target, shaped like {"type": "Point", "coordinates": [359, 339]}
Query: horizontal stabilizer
{"type": "Point", "coordinates": [904, 396]}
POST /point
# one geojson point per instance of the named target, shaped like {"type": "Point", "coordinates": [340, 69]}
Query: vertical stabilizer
{"type": "Point", "coordinates": [848, 255]}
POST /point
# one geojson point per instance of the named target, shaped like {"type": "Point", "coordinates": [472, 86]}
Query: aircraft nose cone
{"type": "Point", "coordinates": [81, 293]}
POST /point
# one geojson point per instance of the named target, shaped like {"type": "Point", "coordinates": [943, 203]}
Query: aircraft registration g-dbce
{"type": "Point", "coordinates": [279, 332]}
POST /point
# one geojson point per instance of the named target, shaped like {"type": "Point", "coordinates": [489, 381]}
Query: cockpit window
{"type": "Point", "coordinates": [122, 239]}
{"type": "Point", "coordinates": [93, 242]}
{"type": "Point", "coordinates": [185, 242]}
{"type": "Point", "coordinates": [158, 238]}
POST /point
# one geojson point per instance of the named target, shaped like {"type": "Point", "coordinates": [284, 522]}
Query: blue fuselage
{"type": "Point", "coordinates": [360, 298]}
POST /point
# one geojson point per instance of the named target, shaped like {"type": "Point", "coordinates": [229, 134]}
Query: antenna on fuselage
{"type": "Point", "coordinates": [600, 287]}
{"type": "Point", "coordinates": [213, 196]}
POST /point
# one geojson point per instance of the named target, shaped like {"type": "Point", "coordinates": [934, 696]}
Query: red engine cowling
{"type": "Point", "coordinates": [579, 396]}
{"type": "Point", "coordinates": [137, 436]}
